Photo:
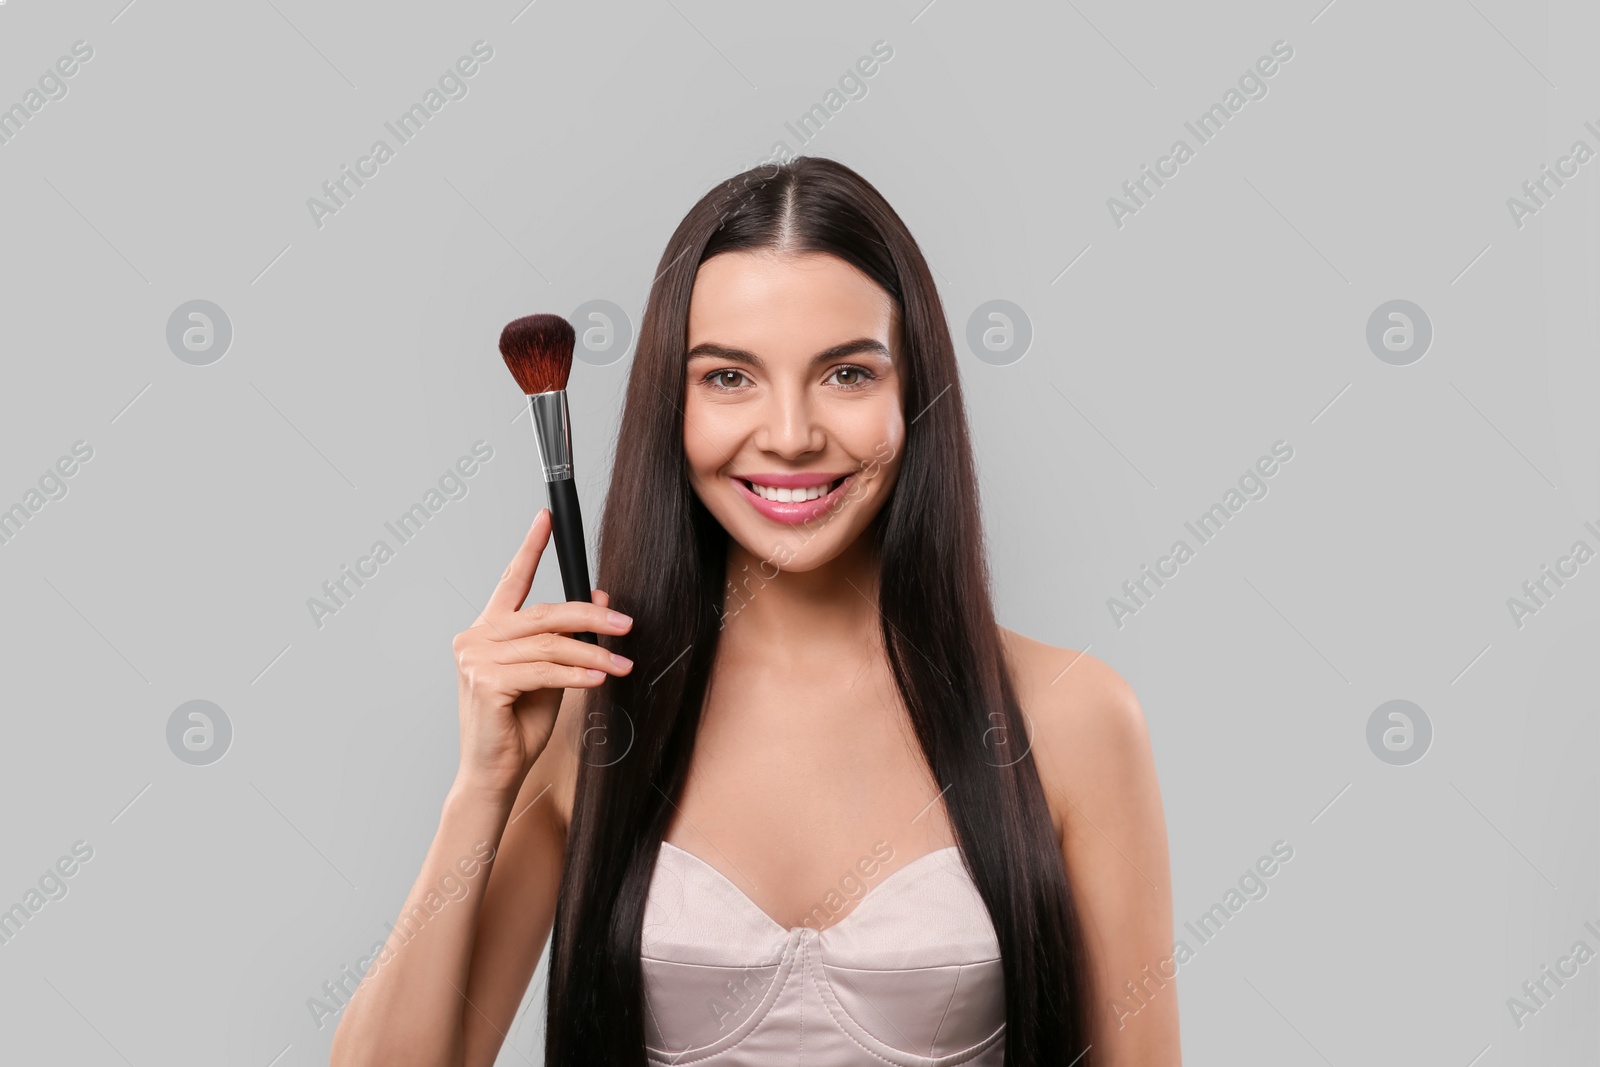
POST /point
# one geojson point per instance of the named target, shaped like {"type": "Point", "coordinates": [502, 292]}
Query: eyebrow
{"type": "Point", "coordinates": [739, 355]}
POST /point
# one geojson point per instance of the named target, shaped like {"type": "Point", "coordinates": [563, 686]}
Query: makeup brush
{"type": "Point", "coordinates": [538, 351]}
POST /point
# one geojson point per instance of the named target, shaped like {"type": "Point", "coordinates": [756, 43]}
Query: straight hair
{"type": "Point", "coordinates": [938, 629]}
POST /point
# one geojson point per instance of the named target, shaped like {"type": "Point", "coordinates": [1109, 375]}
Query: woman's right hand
{"type": "Point", "coordinates": [513, 664]}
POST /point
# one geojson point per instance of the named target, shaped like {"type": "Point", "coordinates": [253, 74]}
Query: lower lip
{"type": "Point", "coordinates": [793, 512]}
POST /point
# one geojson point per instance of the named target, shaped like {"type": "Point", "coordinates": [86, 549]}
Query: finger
{"type": "Point", "coordinates": [566, 617]}
{"type": "Point", "coordinates": [559, 648]}
{"type": "Point", "coordinates": [518, 577]}
{"type": "Point", "coordinates": [528, 677]}
{"type": "Point", "coordinates": [602, 598]}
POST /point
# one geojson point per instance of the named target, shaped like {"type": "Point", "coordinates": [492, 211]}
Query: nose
{"type": "Point", "coordinates": [789, 425]}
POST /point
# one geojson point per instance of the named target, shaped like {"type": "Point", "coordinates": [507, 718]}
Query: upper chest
{"type": "Point", "coordinates": [806, 789]}
{"type": "Point", "coordinates": [806, 795]}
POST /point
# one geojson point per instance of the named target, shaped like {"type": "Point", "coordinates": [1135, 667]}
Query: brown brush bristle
{"type": "Point", "coordinates": [538, 351]}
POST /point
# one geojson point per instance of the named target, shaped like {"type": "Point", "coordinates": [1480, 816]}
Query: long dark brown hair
{"type": "Point", "coordinates": [663, 559]}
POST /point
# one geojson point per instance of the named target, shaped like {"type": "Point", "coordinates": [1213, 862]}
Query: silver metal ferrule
{"type": "Point", "coordinates": [552, 433]}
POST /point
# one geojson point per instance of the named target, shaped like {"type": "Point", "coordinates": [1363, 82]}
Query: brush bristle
{"type": "Point", "coordinates": [538, 351]}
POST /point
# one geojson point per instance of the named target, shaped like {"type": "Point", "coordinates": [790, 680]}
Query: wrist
{"type": "Point", "coordinates": [472, 791]}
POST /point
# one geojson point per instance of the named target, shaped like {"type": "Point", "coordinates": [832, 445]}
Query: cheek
{"type": "Point", "coordinates": [881, 440]}
{"type": "Point", "coordinates": [702, 439]}
{"type": "Point", "coordinates": [882, 482]}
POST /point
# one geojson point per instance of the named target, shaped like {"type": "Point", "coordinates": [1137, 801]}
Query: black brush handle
{"type": "Point", "coordinates": [566, 526]}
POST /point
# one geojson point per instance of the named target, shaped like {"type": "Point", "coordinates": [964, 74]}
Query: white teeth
{"type": "Point", "coordinates": [788, 496]}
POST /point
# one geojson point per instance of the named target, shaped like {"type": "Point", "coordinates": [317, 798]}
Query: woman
{"type": "Point", "coordinates": [826, 811]}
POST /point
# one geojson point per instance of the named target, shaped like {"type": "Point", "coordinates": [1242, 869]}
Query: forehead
{"type": "Point", "coordinates": [762, 300]}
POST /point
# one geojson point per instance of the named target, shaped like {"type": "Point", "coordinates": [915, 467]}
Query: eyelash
{"type": "Point", "coordinates": [867, 376]}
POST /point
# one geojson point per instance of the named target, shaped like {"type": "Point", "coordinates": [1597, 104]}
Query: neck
{"type": "Point", "coordinates": [829, 609]}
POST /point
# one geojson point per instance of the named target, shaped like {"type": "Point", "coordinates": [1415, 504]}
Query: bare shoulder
{"type": "Point", "coordinates": [1088, 731]}
{"type": "Point", "coordinates": [1093, 754]}
{"type": "Point", "coordinates": [1072, 693]}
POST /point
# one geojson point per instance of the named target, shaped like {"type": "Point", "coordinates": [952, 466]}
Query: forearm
{"type": "Point", "coordinates": [409, 1007]}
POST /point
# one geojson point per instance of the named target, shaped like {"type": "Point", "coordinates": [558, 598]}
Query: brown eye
{"type": "Point", "coordinates": [859, 376]}
{"type": "Point", "coordinates": [719, 378]}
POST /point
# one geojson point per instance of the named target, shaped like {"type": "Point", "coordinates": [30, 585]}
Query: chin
{"type": "Point", "coordinates": [798, 559]}
{"type": "Point", "coordinates": [797, 549]}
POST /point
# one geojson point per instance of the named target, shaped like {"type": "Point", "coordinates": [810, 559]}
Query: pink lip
{"type": "Point", "coordinates": [792, 513]}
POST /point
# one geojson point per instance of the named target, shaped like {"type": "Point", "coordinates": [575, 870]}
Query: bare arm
{"type": "Point", "coordinates": [1094, 755]}
{"type": "Point", "coordinates": [405, 1010]}
{"type": "Point", "coordinates": [520, 900]}
{"type": "Point", "coordinates": [455, 966]}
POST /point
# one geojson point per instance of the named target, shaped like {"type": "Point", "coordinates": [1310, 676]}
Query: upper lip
{"type": "Point", "coordinates": [802, 480]}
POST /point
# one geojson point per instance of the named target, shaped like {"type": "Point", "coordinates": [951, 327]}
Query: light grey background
{"type": "Point", "coordinates": [1168, 354]}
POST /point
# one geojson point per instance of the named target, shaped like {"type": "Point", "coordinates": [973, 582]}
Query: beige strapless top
{"type": "Point", "coordinates": [911, 976]}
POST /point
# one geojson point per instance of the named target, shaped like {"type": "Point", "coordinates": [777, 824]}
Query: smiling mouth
{"type": "Point", "coordinates": [791, 496]}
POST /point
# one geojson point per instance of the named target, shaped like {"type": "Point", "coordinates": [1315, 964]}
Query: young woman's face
{"type": "Point", "coordinates": [793, 423]}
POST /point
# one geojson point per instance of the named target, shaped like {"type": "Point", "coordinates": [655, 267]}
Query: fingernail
{"type": "Point", "coordinates": [621, 661]}
{"type": "Point", "coordinates": [594, 675]}
{"type": "Point", "coordinates": [617, 618]}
